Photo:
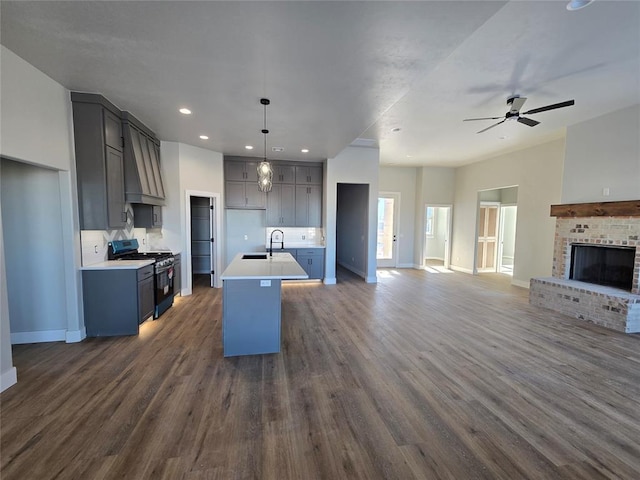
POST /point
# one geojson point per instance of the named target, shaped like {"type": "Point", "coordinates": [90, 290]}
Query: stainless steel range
{"type": "Point", "coordinates": [163, 270]}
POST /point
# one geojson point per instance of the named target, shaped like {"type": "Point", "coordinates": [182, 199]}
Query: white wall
{"type": "Point", "coordinates": [36, 128]}
{"type": "Point", "coordinates": [185, 167]}
{"type": "Point", "coordinates": [603, 152]}
{"type": "Point", "coordinates": [402, 180]}
{"type": "Point", "coordinates": [352, 165]}
{"type": "Point", "coordinates": [538, 173]}
{"type": "Point", "coordinates": [434, 186]}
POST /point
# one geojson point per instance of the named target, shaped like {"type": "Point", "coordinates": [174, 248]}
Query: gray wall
{"type": "Point", "coordinates": [36, 128]}
{"type": "Point", "coordinates": [603, 152]}
{"type": "Point", "coordinates": [434, 186]}
{"type": "Point", "coordinates": [538, 172]}
{"type": "Point", "coordinates": [33, 235]}
{"type": "Point", "coordinates": [357, 165]}
{"type": "Point", "coordinates": [351, 227]}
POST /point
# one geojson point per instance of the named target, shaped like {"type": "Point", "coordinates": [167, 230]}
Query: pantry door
{"type": "Point", "coordinates": [486, 257]}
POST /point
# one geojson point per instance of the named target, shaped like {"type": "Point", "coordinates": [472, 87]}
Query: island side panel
{"type": "Point", "coordinates": [251, 317]}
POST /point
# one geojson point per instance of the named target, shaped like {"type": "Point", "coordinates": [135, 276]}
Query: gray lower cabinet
{"type": "Point", "coordinates": [312, 261]}
{"type": "Point", "coordinates": [116, 301]}
{"type": "Point", "coordinates": [98, 145]}
{"type": "Point", "coordinates": [308, 206]}
{"type": "Point", "coordinates": [281, 206]}
{"type": "Point", "coordinates": [147, 216]}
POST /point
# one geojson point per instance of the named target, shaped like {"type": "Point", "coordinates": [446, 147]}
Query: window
{"type": "Point", "coordinates": [429, 225]}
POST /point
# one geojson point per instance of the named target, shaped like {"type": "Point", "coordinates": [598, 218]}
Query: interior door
{"type": "Point", "coordinates": [486, 259]}
{"type": "Point", "coordinates": [212, 229]}
{"type": "Point", "coordinates": [387, 244]}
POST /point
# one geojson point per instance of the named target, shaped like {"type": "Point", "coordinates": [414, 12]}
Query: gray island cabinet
{"type": "Point", "coordinates": [251, 311]}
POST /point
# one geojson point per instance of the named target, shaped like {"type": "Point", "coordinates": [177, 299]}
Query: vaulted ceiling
{"type": "Point", "coordinates": [338, 72]}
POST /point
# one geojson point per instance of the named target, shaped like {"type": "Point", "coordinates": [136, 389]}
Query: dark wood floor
{"type": "Point", "coordinates": [421, 376]}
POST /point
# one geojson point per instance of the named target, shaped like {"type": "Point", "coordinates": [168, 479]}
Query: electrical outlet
{"type": "Point", "coordinates": [246, 237]}
{"type": "Point", "coordinates": [605, 192]}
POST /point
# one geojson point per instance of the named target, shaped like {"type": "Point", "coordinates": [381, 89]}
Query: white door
{"type": "Point", "coordinates": [507, 243]}
{"type": "Point", "coordinates": [387, 243]}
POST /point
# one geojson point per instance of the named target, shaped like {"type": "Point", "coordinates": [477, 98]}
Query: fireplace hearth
{"type": "Point", "coordinates": [596, 265]}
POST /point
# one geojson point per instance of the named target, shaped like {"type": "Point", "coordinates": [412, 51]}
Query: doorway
{"type": "Point", "coordinates": [507, 238]}
{"type": "Point", "coordinates": [436, 246]}
{"type": "Point", "coordinates": [496, 230]}
{"type": "Point", "coordinates": [352, 228]}
{"type": "Point", "coordinates": [387, 232]}
{"type": "Point", "coordinates": [203, 250]}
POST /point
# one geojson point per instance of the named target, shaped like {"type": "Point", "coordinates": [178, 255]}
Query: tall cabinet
{"type": "Point", "coordinates": [99, 145]}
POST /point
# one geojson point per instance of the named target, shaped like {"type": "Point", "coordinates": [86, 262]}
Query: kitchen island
{"type": "Point", "coordinates": [251, 296]}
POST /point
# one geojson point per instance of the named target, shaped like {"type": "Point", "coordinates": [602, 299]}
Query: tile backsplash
{"type": "Point", "coordinates": [297, 236]}
{"type": "Point", "coordinates": [94, 242]}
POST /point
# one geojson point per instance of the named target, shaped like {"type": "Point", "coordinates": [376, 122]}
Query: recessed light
{"type": "Point", "coordinates": [409, 156]}
{"type": "Point", "coordinates": [204, 137]}
{"type": "Point", "coordinates": [305, 150]}
{"type": "Point", "coordinates": [185, 111]}
{"type": "Point", "coordinates": [503, 137]}
{"type": "Point", "coordinates": [396, 129]}
{"type": "Point", "coordinates": [249, 147]}
{"type": "Point", "coordinates": [574, 5]}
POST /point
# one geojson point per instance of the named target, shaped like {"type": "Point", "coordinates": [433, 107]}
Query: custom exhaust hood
{"type": "Point", "coordinates": [142, 173]}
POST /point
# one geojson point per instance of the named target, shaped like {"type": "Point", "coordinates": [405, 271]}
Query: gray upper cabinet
{"type": "Point", "coordinates": [99, 162]}
{"type": "Point", "coordinates": [308, 175]}
{"type": "Point", "coordinates": [241, 185]}
{"type": "Point", "coordinates": [143, 177]}
{"type": "Point", "coordinates": [308, 206]}
{"type": "Point", "coordinates": [147, 216]}
{"type": "Point", "coordinates": [281, 206]}
{"type": "Point", "coordinates": [283, 173]}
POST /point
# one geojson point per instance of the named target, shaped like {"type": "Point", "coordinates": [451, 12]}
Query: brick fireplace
{"type": "Point", "coordinates": [610, 224]}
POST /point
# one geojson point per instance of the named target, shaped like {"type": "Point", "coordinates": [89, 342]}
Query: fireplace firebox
{"type": "Point", "coordinates": [603, 265]}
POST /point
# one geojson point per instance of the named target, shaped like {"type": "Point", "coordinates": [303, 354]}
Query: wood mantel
{"type": "Point", "coordinates": [598, 209]}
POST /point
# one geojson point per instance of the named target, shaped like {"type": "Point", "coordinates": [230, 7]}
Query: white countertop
{"type": "Point", "coordinates": [281, 266]}
{"type": "Point", "coordinates": [119, 265]}
{"type": "Point", "coordinates": [301, 245]}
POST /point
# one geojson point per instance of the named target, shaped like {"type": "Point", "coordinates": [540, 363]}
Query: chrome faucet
{"type": "Point", "coordinates": [271, 241]}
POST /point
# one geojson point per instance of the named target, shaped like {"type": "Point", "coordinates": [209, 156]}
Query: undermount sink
{"type": "Point", "coordinates": [258, 256]}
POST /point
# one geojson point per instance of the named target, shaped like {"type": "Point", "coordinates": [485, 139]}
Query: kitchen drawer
{"type": "Point", "coordinates": [311, 252]}
{"type": "Point", "coordinates": [145, 272]}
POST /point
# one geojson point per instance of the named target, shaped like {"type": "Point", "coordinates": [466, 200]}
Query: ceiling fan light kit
{"type": "Point", "coordinates": [265, 172]}
{"type": "Point", "coordinates": [515, 103]}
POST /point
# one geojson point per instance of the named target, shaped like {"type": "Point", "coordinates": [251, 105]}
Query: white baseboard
{"type": "Point", "coordinates": [520, 283]}
{"type": "Point", "coordinates": [8, 379]}
{"type": "Point", "coordinates": [41, 336]}
{"type": "Point", "coordinates": [75, 336]}
{"type": "Point", "coordinates": [460, 269]}
{"type": "Point", "coordinates": [329, 281]}
{"type": "Point", "coordinates": [371, 279]}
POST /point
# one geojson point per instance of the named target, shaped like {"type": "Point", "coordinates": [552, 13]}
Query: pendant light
{"type": "Point", "coordinates": [265, 172]}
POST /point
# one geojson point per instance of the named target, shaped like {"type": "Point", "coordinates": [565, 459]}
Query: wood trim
{"type": "Point", "coordinates": [597, 209]}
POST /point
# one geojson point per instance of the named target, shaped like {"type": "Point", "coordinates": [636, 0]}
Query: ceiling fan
{"type": "Point", "coordinates": [515, 104]}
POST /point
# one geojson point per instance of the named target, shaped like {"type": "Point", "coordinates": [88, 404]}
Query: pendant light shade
{"type": "Point", "coordinates": [265, 171]}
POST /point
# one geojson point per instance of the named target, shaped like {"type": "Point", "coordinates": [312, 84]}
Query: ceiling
{"type": "Point", "coordinates": [339, 72]}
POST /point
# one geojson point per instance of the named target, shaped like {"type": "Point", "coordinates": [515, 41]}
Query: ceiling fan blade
{"type": "Point", "coordinates": [568, 103]}
{"type": "Point", "coordinates": [484, 118]}
{"type": "Point", "coordinates": [528, 121]}
{"type": "Point", "coordinates": [517, 103]}
{"type": "Point", "coordinates": [494, 125]}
